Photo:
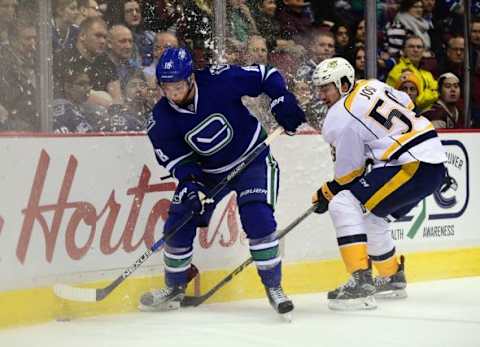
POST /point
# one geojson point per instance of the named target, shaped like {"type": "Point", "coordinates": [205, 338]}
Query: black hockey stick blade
{"type": "Point", "coordinates": [197, 300]}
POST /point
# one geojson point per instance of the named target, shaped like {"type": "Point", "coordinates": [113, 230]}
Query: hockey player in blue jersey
{"type": "Point", "coordinates": [200, 131]}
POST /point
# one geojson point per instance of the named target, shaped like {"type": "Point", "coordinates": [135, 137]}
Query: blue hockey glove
{"type": "Point", "coordinates": [321, 198]}
{"type": "Point", "coordinates": [286, 111]}
{"type": "Point", "coordinates": [189, 193]}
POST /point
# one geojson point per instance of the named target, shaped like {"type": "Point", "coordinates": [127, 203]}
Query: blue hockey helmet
{"type": "Point", "coordinates": [175, 64]}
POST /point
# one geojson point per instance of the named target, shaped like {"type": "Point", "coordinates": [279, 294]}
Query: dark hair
{"type": "Point", "coordinates": [74, 71]}
{"type": "Point", "coordinates": [406, 5]}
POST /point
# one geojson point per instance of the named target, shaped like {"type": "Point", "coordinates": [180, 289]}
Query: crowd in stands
{"type": "Point", "coordinates": [105, 53]}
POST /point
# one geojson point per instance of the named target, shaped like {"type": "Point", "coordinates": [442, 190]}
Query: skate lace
{"type": "Point", "coordinates": [380, 281]}
{"type": "Point", "coordinates": [276, 294]}
{"type": "Point", "coordinates": [351, 283]}
{"type": "Point", "coordinates": [165, 291]}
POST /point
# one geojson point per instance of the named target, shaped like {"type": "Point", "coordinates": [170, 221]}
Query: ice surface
{"type": "Point", "coordinates": [442, 313]}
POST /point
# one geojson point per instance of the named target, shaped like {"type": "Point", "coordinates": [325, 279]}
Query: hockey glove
{"type": "Point", "coordinates": [286, 111]}
{"type": "Point", "coordinates": [189, 193]}
{"type": "Point", "coordinates": [321, 198]}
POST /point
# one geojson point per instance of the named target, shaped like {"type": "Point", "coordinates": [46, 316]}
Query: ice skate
{"type": "Point", "coordinates": [164, 299]}
{"type": "Point", "coordinates": [392, 287]}
{"type": "Point", "coordinates": [280, 302]}
{"type": "Point", "coordinates": [356, 294]}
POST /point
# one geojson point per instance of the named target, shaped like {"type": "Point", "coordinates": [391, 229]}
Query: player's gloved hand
{"type": "Point", "coordinates": [190, 192]}
{"type": "Point", "coordinates": [288, 114]}
{"type": "Point", "coordinates": [321, 198]}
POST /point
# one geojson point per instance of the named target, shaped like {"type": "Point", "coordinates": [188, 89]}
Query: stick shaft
{"type": "Point", "coordinates": [86, 294]}
{"type": "Point", "coordinates": [197, 300]}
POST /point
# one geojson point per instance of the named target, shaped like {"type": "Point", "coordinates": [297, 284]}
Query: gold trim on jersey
{"type": "Point", "coordinates": [327, 193]}
{"type": "Point", "coordinates": [402, 140]}
{"type": "Point", "coordinates": [345, 179]}
{"type": "Point", "coordinates": [403, 176]}
{"type": "Point", "coordinates": [353, 93]}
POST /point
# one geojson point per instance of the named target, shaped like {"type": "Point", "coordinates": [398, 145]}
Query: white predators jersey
{"type": "Point", "coordinates": [376, 122]}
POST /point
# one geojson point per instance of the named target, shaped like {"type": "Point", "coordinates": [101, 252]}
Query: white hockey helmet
{"type": "Point", "coordinates": [334, 70]}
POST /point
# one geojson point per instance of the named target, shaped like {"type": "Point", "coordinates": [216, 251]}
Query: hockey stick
{"type": "Point", "coordinates": [197, 300]}
{"type": "Point", "coordinates": [97, 294]}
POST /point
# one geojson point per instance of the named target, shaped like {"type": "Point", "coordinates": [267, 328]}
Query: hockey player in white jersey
{"type": "Point", "coordinates": [371, 121]}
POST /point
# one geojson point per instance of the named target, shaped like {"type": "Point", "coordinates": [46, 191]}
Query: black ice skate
{"type": "Point", "coordinates": [164, 299]}
{"type": "Point", "coordinates": [392, 287]}
{"type": "Point", "coordinates": [279, 301]}
{"type": "Point", "coordinates": [356, 294]}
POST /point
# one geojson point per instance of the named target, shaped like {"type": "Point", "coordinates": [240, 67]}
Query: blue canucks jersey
{"type": "Point", "coordinates": [217, 130]}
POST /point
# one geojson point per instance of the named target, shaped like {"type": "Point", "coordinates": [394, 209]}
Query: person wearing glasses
{"type": "Point", "coordinates": [411, 61]}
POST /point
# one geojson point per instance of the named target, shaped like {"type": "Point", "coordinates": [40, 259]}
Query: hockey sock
{"type": "Point", "coordinates": [177, 263]}
{"type": "Point", "coordinates": [385, 264]}
{"type": "Point", "coordinates": [266, 255]}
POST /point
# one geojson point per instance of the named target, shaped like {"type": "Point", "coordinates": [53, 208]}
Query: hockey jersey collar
{"type": "Point", "coordinates": [183, 110]}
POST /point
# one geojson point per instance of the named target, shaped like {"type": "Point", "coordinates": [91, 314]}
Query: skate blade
{"type": "Point", "coordinates": [163, 307]}
{"type": "Point", "coordinates": [367, 303]}
{"type": "Point", "coordinates": [392, 294]}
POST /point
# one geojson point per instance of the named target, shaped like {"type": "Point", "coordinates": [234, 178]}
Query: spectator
{"type": "Point", "coordinates": [475, 61]}
{"type": "Point", "coordinates": [87, 9]}
{"type": "Point", "coordinates": [132, 18]}
{"type": "Point", "coordinates": [264, 12]}
{"type": "Point", "coordinates": [18, 76]}
{"type": "Point", "coordinates": [444, 112]}
{"type": "Point", "coordinates": [360, 34]}
{"type": "Point", "coordinates": [195, 28]}
{"type": "Point", "coordinates": [121, 53]}
{"type": "Point", "coordinates": [234, 51]}
{"type": "Point", "coordinates": [65, 31]}
{"type": "Point", "coordinates": [427, 87]}
{"type": "Point", "coordinates": [257, 52]}
{"type": "Point", "coordinates": [454, 58]}
{"type": "Point", "coordinates": [294, 20]}
{"type": "Point", "coordinates": [240, 20]}
{"type": "Point", "coordinates": [133, 113]}
{"type": "Point", "coordinates": [89, 53]}
{"type": "Point", "coordinates": [359, 63]}
{"type": "Point", "coordinates": [321, 46]}
{"type": "Point", "coordinates": [259, 106]}
{"type": "Point", "coordinates": [68, 113]}
{"type": "Point", "coordinates": [161, 15]}
{"type": "Point", "coordinates": [163, 40]}
{"type": "Point", "coordinates": [409, 84]}
{"type": "Point", "coordinates": [409, 21]}
{"type": "Point", "coordinates": [343, 38]}
{"type": "Point", "coordinates": [8, 10]}
{"type": "Point", "coordinates": [434, 31]}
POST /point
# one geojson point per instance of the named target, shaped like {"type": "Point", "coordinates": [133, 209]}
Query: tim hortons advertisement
{"type": "Point", "coordinates": [73, 207]}
{"type": "Point", "coordinates": [83, 208]}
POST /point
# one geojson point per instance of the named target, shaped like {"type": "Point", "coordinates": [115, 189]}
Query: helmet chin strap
{"type": "Point", "coordinates": [185, 100]}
